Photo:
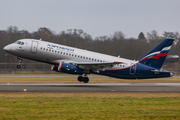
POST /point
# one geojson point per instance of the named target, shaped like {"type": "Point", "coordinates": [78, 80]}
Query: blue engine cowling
{"type": "Point", "coordinates": [67, 68]}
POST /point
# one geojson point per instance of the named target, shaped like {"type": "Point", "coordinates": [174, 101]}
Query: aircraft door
{"type": "Point", "coordinates": [133, 69]}
{"type": "Point", "coordinates": [34, 46]}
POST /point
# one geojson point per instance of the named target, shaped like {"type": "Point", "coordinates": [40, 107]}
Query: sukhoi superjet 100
{"type": "Point", "coordinates": [81, 62]}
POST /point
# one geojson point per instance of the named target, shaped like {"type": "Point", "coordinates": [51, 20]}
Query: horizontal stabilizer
{"type": "Point", "coordinates": [159, 71]}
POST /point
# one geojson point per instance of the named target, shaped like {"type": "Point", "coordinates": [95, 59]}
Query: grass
{"type": "Point", "coordinates": [75, 106]}
{"type": "Point", "coordinates": [73, 79]}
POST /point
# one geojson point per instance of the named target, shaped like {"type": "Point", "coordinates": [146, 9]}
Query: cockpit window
{"type": "Point", "coordinates": [19, 42]}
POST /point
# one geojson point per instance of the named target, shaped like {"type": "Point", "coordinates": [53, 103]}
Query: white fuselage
{"type": "Point", "coordinates": [55, 53]}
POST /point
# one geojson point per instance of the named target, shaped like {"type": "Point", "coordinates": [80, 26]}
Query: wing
{"type": "Point", "coordinates": [95, 66]}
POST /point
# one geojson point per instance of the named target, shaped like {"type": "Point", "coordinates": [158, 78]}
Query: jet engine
{"type": "Point", "coordinates": [67, 68]}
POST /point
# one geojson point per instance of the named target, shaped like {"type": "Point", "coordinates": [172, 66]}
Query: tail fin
{"type": "Point", "coordinates": [157, 56]}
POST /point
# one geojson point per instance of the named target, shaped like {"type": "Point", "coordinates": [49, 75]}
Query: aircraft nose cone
{"type": "Point", "coordinates": [6, 48]}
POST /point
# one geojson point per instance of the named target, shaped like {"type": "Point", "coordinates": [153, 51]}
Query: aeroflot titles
{"type": "Point", "coordinates": [58, 47]}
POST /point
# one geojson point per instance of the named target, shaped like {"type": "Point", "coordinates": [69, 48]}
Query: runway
{"type": "Point", "coordinates": [91, 87]}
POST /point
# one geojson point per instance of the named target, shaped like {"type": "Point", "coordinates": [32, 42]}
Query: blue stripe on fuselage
{"type": "Point", "coordinates": [142, 71]}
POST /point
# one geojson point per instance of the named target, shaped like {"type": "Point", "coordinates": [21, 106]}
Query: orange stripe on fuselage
{"type": "Point", "coordinates": [60, 65]}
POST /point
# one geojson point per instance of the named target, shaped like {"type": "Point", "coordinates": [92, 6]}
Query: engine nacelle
{"type": "Point", "coordinates": [67, 68]}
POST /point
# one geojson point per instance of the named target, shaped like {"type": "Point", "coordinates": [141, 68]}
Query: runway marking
{"type": "Point", "coordinates": [113, 90]}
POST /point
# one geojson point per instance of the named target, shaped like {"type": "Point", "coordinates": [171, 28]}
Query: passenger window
{"type": "Point", "coordinates": [49, 49]}
{"type": "Point", "coordinates": [66, 53]}
{"type": "Point", "coordinates": [52, 50]}
{"type": "Point", "coordinates": [43, 48]}
{"type": "Point", "coordinates": [46, 49]}
{"type": "Point", "coordinates": [69, 54]}
{"type": "Point", "coordinates": [22, 43]}
{"type": "Point", "coordinates": [74, 55]}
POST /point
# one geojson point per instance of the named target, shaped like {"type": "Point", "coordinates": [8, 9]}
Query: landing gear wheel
{"type": "Point", "coordinates": [86, 80]}
{"type": "Point", "coordinates": [80, 78]}
{"type": "Point", "coordinates": [20, 60]}
{"type": "Point", "coordinates": [18, 66]}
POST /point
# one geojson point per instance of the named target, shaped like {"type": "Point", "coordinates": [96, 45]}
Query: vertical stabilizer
{"type": "Point", "coordinates": [157, 56]}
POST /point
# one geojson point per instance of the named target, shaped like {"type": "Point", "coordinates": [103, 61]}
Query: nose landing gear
{"type": "Point", "coordinates": [19, 62]}
{"type": "Point", "coordinates": [84, 79]}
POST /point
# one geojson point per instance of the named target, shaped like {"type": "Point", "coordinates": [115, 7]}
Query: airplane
{"type": "Point", "coordinates": [81, 62]}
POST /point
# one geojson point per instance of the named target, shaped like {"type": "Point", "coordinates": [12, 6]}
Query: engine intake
{"type": "Point", "coordinates": [67, 68]}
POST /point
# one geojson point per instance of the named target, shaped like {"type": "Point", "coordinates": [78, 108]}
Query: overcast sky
{"type": "Point", "coordinates": [95, 17]}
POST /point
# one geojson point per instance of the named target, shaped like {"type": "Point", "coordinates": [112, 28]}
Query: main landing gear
{"type": "Point", "coordinates": [19, 62]}
{"type": "Point", "coordinates": [84, 79]}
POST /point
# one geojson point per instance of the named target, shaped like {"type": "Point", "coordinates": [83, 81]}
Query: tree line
{"type": "Point", "coordinates": [116, 44]}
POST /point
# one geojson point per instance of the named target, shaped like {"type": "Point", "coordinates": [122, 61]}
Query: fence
{"type": "Point", "coordinates": [25, 67]}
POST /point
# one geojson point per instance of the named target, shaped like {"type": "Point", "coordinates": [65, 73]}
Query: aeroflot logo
{"type": "Point", "coordinates": [59, 47]}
